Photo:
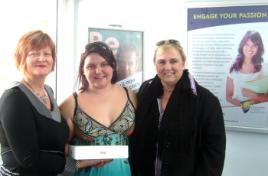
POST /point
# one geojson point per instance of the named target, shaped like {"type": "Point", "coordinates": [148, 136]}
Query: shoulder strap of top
{"type": "Point", "coordinates": [128, 97]}
{"type": "Point", "coordinates": [126, 92]}
{"type": "Point", "coordinates": [75, 101]}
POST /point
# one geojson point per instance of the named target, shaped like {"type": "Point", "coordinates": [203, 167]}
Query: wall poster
{"type": "Point", "coordinates": [128, 50]}
{"type": "Point", "coordinates": [228, 54]}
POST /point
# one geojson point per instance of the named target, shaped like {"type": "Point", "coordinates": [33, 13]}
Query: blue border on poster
{"type": "Point", "coordinates": [215, 16]}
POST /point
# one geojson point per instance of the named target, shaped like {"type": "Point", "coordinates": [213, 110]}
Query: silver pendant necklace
{"type": "Point", "coordinates": [43, 98]}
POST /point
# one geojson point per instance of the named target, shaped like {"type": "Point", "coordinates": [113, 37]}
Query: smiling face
{"type": "Point", "coordinates": [250, 49]}
{"type": "Point", "coordinates": [97, 71]}
{"type": "Point", "coordinates": [35, 54]}
{"type": "Point", "coordinates": [39, 63]}
{"type": "Point", "coordinates": [169, 65]}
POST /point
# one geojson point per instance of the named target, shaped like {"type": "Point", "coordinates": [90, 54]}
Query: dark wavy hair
{"type": "Point", "coordinates": [103, 50]}
{"type": "Point", "coordinates": [257, 60]}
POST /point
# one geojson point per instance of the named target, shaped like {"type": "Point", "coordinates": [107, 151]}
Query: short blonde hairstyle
{"type": "Point", "coordinates": [165, 44]}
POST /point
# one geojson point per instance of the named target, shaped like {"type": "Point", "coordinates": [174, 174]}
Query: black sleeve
{"type": "Point", "coordinates": [18, 123]}
{"type": "Point", "coordinates": [213, 138]}
{"type": "Point", "coordinates": [134, 141]}
{"type": "Point", "coordinates": [143, 90]}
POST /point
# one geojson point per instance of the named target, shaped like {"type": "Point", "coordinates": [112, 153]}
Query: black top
{"type": "Point", "coordinates": [32, 137]}
{"type": "Point", "coordinates": [191, 137]}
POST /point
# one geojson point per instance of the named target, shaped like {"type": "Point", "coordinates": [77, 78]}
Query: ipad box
{"type": "Point", "coordinates": [80, 152]}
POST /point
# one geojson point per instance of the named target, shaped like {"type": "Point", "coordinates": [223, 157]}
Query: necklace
{"type": "Point", "coordinates": [43, 98]}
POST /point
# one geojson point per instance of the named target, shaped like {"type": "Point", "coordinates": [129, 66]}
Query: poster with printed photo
{"type": "Point", "coordinates": [128, 50]}
{"type": "Point", "coordinates": [228, 54]}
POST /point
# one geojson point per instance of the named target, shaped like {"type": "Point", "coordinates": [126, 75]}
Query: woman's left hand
{"type": "Point", "coordinates": [92, 163]}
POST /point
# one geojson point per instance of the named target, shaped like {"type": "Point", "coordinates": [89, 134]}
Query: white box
{"type": "Point", "coordinates": [81, 152]}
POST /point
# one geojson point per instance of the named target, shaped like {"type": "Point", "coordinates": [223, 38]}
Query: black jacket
{"type": "Point", "coordinates": [32, 143]}
{"type": "Point", "coordinates": [191, 138]}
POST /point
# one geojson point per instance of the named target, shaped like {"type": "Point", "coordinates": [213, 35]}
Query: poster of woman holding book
{"type": "Point", "coordinates": [247, 81]}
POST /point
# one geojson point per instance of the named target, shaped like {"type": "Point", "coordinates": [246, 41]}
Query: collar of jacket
{"type": "Point", "coordinates": [178, 119]}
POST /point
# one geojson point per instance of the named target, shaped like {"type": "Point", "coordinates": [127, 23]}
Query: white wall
{"type": "Point", "coordinates": [246, 153]}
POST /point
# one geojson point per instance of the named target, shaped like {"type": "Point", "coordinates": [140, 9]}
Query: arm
{"type": "Point", "coordinates": [19, 126]}
{"type": "Point", "coordinates": [255, 97]}
{"type": "Point", "coordinates": [67, 111]}
{"type": "Point", "coordinates": [230, 92]}
{"type": "Point", "coordinates": [133, 97]}
{"type": "Point", "coordinates": [213, 139]}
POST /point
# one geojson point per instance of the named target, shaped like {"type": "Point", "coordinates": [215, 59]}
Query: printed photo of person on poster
{"type": "Point", "coordinates": [247, 83]}
{"type": "Point", "coordinates": [129, 66]}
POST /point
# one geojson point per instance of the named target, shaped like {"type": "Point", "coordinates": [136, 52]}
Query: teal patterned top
{"type": "Point", "coordinates": [115, 134]}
